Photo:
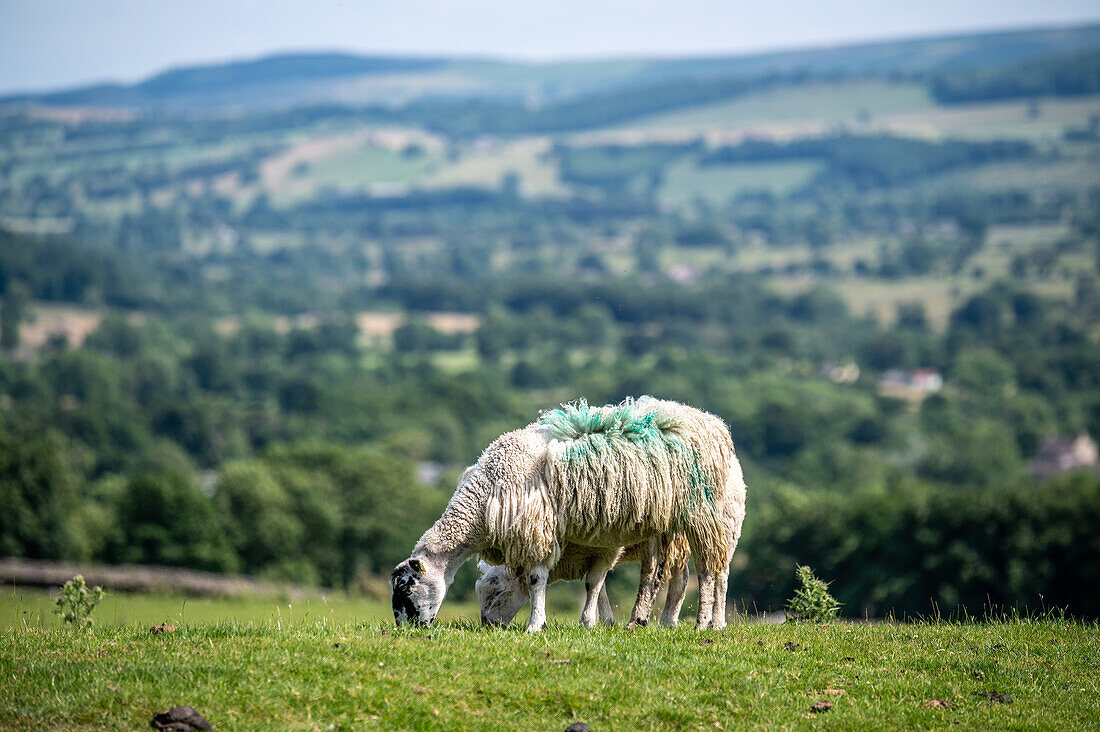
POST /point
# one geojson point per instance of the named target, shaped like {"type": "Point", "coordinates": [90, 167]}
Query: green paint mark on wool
{"type": "Point", "coordinates": [591, 433]}
{"type": "Point", "coordinates": [596, 428]}
{"type": "Point", "coordinates": [699, 479]}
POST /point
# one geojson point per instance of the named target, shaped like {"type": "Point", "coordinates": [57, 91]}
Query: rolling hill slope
{"type": "Point", "coordinates": [286, 80]}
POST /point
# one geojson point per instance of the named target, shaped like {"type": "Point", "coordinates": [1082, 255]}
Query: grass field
{"type": "Point", "coordinates": [527, 158]}
{"type": "Point", "coordinates": [881, 298]}
{"type": "Point", "coordinates": [370, 165]}
{"type": "Point", "coordinates": [31, 608]}
{"type": "Point", "coordinates": [686, 181]}
{"type": "Point", "coordinates": [992, 120]}
{"type": "Point", "coordinates": [21, 608]}
{"type": "Point", "coordinates": [818, 103]}
{"type": "Point", "coordinates": [320, 673]}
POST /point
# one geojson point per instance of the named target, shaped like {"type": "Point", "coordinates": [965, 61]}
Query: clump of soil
{"type": "Point", "coordinates": [994, 696]}
{"type": "Point", "coordinates": [937, 704]}
{"type": "Point", "coordinates": [180, 719]}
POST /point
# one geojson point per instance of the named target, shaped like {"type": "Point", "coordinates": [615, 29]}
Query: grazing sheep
{"type": "Point", "coordinates": [502, 594]}
{"type": "Point", "coordinates": [601, 477]}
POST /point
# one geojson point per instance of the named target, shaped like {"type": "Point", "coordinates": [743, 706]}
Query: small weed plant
{"type": "Point", "coordinates": [812, 602]}
{"type": "Point", "coordinates": [77, 602]}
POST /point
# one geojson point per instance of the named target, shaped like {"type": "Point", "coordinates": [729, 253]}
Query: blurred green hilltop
{"type": "Point", "coordinates": [257, 317]}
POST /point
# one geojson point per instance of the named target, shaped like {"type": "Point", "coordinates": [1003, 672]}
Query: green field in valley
{"type": "Point", "coordinates": [685, 181]}
{"type": "Point", "coordinates": [823, 103]}
{"type": "Point", "coordinates": [326, 674]}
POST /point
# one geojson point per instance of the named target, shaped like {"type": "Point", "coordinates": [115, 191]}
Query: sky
{"type": "Point", "coordinates": [48, 44]}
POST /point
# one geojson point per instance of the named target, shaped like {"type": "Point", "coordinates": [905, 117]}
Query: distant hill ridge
{"type": "Point", "coordinates": [289, 79]}
{"type": "Point", "coordinates": [281, 67]}
{"type": "Point", "coordinates": [231, 76]}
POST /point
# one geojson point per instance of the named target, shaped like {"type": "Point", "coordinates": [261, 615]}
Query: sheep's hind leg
{"type": "Point", "coordinates": [733, 528]}
{"type": "Point", "coordinates": [594, 592]}
{"type": "Point", "coordinates": [649, 583]}
{"type": "Point", "coordinates": [536, 582]}
{"type": "Point", "coordinates": [706, 599]}
{"type": "Point", "coordinates": [607, 615]}
{"type": "Point", "coordinates": [677, 589]}
{"type": "Point", "coordinates": [721, 586]}
{"type": "Point", "coordinates": [721, 582]}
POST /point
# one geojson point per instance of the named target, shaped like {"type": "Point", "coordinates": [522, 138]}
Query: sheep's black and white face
{"type": "Point", "coordinates": [500, 593]}
{"type": "Point", "coordinates": [416, 592]}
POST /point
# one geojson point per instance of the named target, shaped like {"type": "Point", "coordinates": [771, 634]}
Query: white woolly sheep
{"type": "Point", "coordinates": [601, 477]}
{"type": "Point", "coordinates": [502, 593]}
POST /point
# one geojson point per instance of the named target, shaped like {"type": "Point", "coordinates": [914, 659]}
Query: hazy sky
{"type": "Point", "coordinates": [51, 43]}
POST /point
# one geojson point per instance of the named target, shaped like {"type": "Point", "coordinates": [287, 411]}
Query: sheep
{"type": "Point", "coordinates": [502, 594]}
{"type": "Point", "coordinates": [601, 477]}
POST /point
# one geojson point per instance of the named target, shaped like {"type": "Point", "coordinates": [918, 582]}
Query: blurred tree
{"type": "Point", "coordinates": [39, 495]}
{"type": "Point", "coordinates": [261, 519]}
{"type": "Point", "coordinates": [13, 310]}
{"type": "Point", "coordinates": [973, 452]}
{"type": "Point", "coordinates": [983, 374]}
{"type": "Point", "coordinates": [164, 518]}
{"type": "Point", "coordinates": [918, 550]}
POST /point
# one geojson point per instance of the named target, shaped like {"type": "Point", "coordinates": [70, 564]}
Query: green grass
{"type": "Point", "coordinates": [456, 362]}
{"type": "Point", "coordinates": [823, 103]}
{"type": "Point", "coordinates": [686, 181]}
{"type": "Point", "coordinates": [324, 674]}
{"type": "Point", "coordinates": [1057, 175]}
{"type": "Point", "coordinates": [880, 298]}
{"type": "Point", "coordinates": [20, 608]}
{"type": "Point", "coordinates": [370, 165]}
{"type": "Point", "coordinates": [995, 120]}
{"type": "Point", "coordinates": [527, 158]}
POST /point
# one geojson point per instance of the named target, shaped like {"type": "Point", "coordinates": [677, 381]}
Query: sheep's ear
{"type": "Point", "coordinates": [418, 566]}
{"type": "Point", "coordinates": [483, 566]}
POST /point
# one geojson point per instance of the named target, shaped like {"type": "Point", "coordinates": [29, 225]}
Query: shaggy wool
{"type": "Point", "coordinates": [598, 476]}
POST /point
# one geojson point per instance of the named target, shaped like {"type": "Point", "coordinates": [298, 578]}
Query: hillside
{"type": "Point", "coordinates": [884, 280]}
{"type": "Point", "coordinates": [286, 80]}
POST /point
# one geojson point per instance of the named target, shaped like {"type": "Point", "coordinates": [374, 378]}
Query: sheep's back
{"type": "Point", "coordinates": [657, 480]}
{"type": "Point", "coordinates": [606, 490]}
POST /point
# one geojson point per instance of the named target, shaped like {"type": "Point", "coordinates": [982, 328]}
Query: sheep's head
{"type": "Point", "coordinates": [417, 591]}
{"type": "Point", "coordinates": [500, 592]}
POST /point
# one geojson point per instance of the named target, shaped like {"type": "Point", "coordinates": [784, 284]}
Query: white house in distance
{"type": "Point", "coordinates": [912, 385]}
{"type": "Point", "coordinates": [1062, 454]}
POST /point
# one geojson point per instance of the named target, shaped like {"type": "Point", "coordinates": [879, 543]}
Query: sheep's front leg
{"type": "Point", "coordinates": [536, 582]}
{"type": "Point", "coordinates": [593, 587]}
{"type": "Point", "coordinates": [677, 590]}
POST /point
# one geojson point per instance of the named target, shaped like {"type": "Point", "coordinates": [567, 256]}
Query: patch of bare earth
{"type": "Point", "coordinates": [47, 321]}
